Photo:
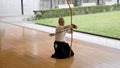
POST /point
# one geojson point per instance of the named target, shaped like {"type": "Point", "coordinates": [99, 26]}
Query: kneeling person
{"type": "Point", "coordinates": [61, 47]}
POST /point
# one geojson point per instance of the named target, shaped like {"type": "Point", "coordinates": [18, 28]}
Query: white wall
{"type": "Point", "coordinates": [89, 4]}
{"type": "Point", "coordinates": [29, 6]}
{"type": "Point", "coordinates": [36, 4]}
{"type": "Point", "coordinates": [10, 7]}
{"type": "Point", "coordinates": [44, 4]}
{"type": "Point", "coordinates": [111, 2]}
{"type": "Point", "coordinates": [13, 7]}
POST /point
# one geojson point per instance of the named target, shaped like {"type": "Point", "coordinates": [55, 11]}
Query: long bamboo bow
{"type": "Point", "coordinates": [70, 10]}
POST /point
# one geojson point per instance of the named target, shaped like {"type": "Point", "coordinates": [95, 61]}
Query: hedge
{"type": "Point", "coordinates": [75, 11]}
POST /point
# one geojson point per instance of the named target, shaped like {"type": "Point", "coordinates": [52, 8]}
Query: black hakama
{"type": "Point", "coordinates": [62, 50]}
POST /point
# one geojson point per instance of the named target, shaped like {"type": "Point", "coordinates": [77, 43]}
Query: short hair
{"type": "Point", "coordinates": [60, 19]}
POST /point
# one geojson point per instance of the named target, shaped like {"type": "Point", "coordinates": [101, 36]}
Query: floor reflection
{"type": "Point", "coordinates": [64, 63]}
{"type": "Point", "coordinates": [2, 33]}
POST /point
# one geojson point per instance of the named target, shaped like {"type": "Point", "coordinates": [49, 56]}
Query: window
{"type": "Point", "coordinates": [64, 1]}
{"type": "Point", "coordinates": [61, 1]}
{"type": "Point", "coordinates": [108, 0]}
{"type": "Point", "coordinates": [89, 1]}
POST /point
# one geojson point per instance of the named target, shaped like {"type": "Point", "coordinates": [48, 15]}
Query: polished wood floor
{"type": "Point", "coordinates": [27, 48]}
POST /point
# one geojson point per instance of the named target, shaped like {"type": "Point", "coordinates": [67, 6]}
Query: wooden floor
{"type": "Point", "coordinates": [26, 48]}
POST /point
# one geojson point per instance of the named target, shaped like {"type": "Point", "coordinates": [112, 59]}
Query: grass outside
{"type": "Point", "coordinates": [106, 24]}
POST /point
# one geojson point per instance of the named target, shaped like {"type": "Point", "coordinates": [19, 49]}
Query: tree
{"type": "Point", "coordinates": [118, 1]}
{"type": "Point", "coordinates": [98, 2]}
{"type": "Point", "coordinates": [75, 3]}
{"type": "Point", "coordinates": [51, 3]}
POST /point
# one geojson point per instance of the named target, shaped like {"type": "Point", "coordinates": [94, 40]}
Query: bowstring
{"type": "Point", "coordinates": [70, 10]}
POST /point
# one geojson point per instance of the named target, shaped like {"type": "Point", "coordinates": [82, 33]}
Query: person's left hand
{"type": "Point", "coordinates": [74, 26]}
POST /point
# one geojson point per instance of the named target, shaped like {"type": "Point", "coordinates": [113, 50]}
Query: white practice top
{"type": "Point", "coordinates": [61, 36]}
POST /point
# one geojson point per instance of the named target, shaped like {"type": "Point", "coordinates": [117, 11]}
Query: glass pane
{"type": "Point", "coordinates": [89, 1]}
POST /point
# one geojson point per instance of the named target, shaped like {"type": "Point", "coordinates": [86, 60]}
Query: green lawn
{"type": "Point", "coordinates": [107, 23]}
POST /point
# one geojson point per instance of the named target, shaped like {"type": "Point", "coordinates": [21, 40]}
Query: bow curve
{"type": "Point", "coordinates": [70, 10]}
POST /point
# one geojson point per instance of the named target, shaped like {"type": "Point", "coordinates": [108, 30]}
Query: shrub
{"type": "Point", "coordinates": [75, 11]}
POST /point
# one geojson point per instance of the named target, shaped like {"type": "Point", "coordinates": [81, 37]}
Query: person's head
{"type": "Point", "coordinates": [61, 21]}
